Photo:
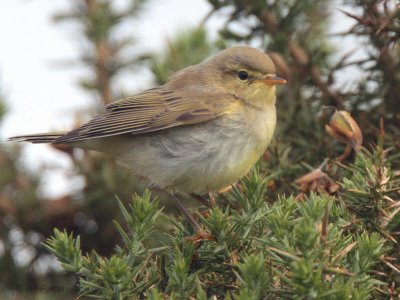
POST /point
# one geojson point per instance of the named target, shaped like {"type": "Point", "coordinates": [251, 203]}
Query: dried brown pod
{"type": "Point", "coordinates": [317, 181]}
{"type": "Point", "coordinates": [345, 129]}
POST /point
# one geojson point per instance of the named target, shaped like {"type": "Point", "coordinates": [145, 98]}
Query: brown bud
{"type": "Point", "coordinates": [344, 129]}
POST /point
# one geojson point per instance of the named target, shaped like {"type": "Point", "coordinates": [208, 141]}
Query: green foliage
{"type": "Point", "coordinates": [253, 277]}
{"type": "Point", "coordinates": [188, 48]}
{"type": "Point", "coordinates": [371, 188]}
{"type": "Point", "coordinates": [181, 279]}
{"type": "Point", "coordinates": [68, 250]}
{"type": "Point", "coordinates": [290, 249]}
{"type": "Point", "coordinates": [271, 238]}
{"type": "Point", "coordinates": [107, 55]}
{"type": "Point", "coordinates": [130, 270]}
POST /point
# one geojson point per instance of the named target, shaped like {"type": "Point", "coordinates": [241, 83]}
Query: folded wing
{"type": "Point", "coordinates": [153, 110]}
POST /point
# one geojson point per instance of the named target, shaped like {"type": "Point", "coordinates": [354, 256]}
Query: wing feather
{"type": "Point", "coordinates": [153, 110]}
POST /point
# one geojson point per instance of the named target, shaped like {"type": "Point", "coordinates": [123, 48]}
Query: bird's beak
{"type": "Point", "coordinates": [272, 80]}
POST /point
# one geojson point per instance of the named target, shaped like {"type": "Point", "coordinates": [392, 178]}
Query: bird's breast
{"type": "Point", "coordinates": [229, 152]}
{"type": "Point", "coordinates": [203, 157]}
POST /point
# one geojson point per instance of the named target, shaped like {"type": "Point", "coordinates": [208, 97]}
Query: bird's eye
{"type": "Point", "coordinates": [243, 75]}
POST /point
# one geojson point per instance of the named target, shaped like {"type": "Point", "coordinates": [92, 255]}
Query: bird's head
{"type": "Point", "coordinates": [245, 72]}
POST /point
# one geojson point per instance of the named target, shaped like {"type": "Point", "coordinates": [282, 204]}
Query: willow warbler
{"type": "Point", "coordinates": [199, 132]}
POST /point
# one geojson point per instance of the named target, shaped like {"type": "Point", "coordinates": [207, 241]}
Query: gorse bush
{"type": "Point", "coordinates": [316, 247]}
{"type": "Point", "coordinates": [289, 230]}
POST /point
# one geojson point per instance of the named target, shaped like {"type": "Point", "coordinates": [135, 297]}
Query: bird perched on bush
{"type": "Point", "coordinates": [200, 132]}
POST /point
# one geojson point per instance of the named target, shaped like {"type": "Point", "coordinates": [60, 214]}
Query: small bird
{"type": "Point", "coordinates": [200, 132]}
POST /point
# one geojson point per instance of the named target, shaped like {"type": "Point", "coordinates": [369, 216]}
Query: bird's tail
{"type": "Point", "coordinates": [39, 138]}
